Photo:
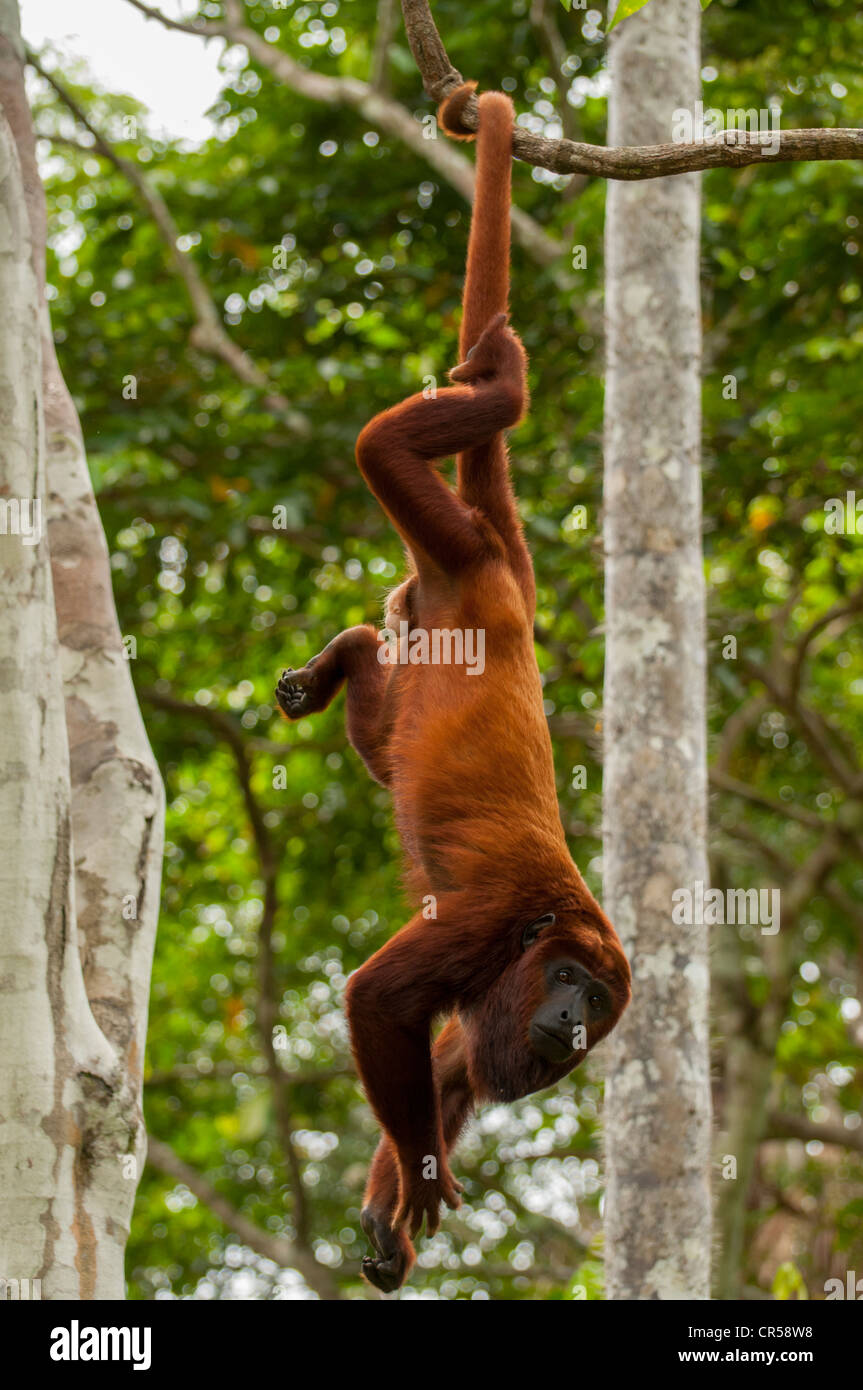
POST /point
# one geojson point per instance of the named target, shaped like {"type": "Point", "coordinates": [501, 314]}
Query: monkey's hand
{"type": "Point", "coordinates": [496, 353]}
{"type": "Point", "coordinates": [420, 1197]}
{"type": "Point", "coordinates": [295, 692]}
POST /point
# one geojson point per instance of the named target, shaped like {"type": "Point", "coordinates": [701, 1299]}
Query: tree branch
{"type": "Point", "coordinates": [384, 31]}
{"type": "Point", "coordinates": [224, 1070]}
{"type": "Point", "coordinates": [817, 732]}
{"type": "Point", "coordinates": [844, 608]}
{"type": "Point", "coordinates": [723, 782]}
{"type": "Point", "coordinates": [800, 881]}
{"type": "Point", "coordinates": [735, 726]}
{"type": "Point", "coordinates": [200, 27]}
{"type": "Point", "coordinates": [798, 1127]}
{"type": "Point", "coordinates": [545, 25]}
{"type": "Point", "coordinates": [283, 1252]}
{"type": "Point", "coordinates": [732, 149]}
{"type": "Point", "coordinates": [376, 107]}
{"type": "Point", "coordinates": [208, 334]}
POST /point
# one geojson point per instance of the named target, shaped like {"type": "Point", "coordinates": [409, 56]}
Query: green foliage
{"type": "Point", "coordinates": [188, 474]}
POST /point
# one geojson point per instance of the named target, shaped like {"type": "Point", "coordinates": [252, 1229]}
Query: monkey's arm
{"type": "Point", "coordinates": [394, 1254]}
{"type": "Point", "coordinates": [391, 1003]}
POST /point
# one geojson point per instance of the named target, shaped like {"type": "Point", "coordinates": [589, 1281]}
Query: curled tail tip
{"type": "Point", "coordinates": [450, 113]}
{"type": "Point", "coordinates": [497, 106]}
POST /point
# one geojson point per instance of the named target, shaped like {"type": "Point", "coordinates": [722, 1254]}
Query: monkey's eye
{"type": "Point", "coordinates": [596, 1001]}
{"type": "Point", "coordinates": [564, 977]}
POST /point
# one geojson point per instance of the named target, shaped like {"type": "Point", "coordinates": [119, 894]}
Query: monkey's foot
{"type": "Point", "coordinates": [497, 352]}
{"type": "Point", "coordinates": [297, 692]}
{"type": "Point", "coordinates": [393, 1261]}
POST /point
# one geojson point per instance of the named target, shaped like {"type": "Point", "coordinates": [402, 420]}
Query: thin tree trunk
{"type": "Point", "coordinates": [73, 1235]}
{"type": "Point", "coordinates": [658, 1239]}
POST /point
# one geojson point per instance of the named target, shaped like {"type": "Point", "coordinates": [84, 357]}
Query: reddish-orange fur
{"type": "Point", "coordinates": [468, 761]}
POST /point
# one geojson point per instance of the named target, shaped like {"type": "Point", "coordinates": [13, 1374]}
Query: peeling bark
{"type": "Point", "coordinates": [81, 795]}
{"type": "Point", "coordinates": [658, 1096]}
{"type": "Point", "coordinates": [48, 1036]}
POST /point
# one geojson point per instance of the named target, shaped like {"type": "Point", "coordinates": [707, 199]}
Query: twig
{"type": "Point", "coordinates": [223, 1070]}
{"type": "Point", "coordinates": [208, 335]}
{"type": "Point", "coordinates": [800, 881]}
{"type": "Point", "coordinates": [384, 32]}
{"type": "Point", "coordinates": [723, 782]}
{"type": "Point", "coordinates": [798, 1127]}
{"type": "Point", "coordinates": [822, 738]}
{"type": "Point", "coordinates": [545, 25]}
{"type": "Point", "coordinates": [376, 107]}
{"type": "Point", "coordinates": [735, 726]}
{"type": "Point", "coordinates": [283, 1252]}
{"type": "Point", "coordinates": [844, 608]}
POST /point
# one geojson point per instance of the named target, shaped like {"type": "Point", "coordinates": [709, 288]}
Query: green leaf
{"type": "Point", "coordinates": [788, 1283]}
{"type": "Point", "coordinates": [624, 10]}
{"type": "Point", "coordinates": [628, 7]}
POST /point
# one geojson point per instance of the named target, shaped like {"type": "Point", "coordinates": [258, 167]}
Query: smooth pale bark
{"type": "Point", "coordinates": [114, 819]}
{"type": "Point", "coordinates": [54, 1061]}
{"type": "Point", "coordinates": [657, 1115]}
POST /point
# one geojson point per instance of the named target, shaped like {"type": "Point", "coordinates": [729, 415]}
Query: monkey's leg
{"type": "Point", "coordinates": [484, 482]}
{"type": "Point", "coordinates": [396, 449]}
{"type": "Point", "coordinates": [394, 1254]}
{"type": "Point", "coordinates": [351, 657]}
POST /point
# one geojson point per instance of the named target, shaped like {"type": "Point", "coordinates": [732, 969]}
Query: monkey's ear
{"type": "Point", "coordinates": [533, 929]}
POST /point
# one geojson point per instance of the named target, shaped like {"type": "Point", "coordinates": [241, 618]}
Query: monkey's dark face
{"type": "Point", "coordinates": [575, 1004]}
{"type": "Point", "coordinates": [547, 1009]}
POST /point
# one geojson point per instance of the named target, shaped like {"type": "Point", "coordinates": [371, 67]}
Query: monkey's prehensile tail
{"type": "Point", "coordinates": [486, 286]}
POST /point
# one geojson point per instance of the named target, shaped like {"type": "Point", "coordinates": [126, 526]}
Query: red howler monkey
{"type": "Point", "coordinates": [520, 956]}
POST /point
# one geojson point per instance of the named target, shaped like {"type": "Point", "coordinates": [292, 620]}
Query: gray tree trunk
{"type": "Point", "coordinates": [82, 805]}
{"type": "Point", "coordinates": [657, 1114]}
